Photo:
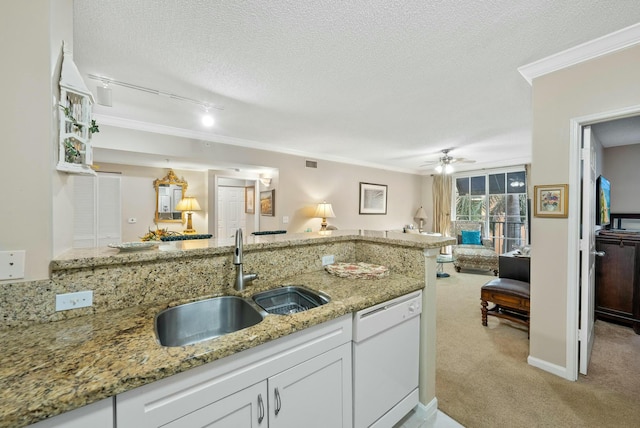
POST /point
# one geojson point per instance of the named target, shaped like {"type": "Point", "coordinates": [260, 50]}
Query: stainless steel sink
{"type": "Point", "coordinates": [205, 319]}
{"type": "Point", "coordinates": [290, 299]}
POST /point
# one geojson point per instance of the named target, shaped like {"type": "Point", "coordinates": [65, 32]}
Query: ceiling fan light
{"type": "Point", "coordinates": [439, 169]}
{"type": "Point", "coordinates": [448, 169]}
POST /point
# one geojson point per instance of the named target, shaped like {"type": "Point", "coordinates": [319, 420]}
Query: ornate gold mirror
{"type": "Point", "coordinates": [169, 191]}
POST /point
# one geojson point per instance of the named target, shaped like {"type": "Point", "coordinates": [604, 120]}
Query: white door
{"type": "Point", "coordinates": [231, 214]}
{"type": "Point", "coordinates": [97, 214]}
{"type": "Point", "coordinates": [109, 212]}
{"type": "Point", "coordinates": [587, 250]}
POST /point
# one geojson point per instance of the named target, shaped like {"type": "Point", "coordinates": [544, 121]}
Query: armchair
{"type": "Point", "coordinates": [480, 255]}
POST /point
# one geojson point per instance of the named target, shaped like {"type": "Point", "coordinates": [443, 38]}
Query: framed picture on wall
{"type": "Point", "coordinates": [250, 200]}
{"type": "Point", "coordinates": [267, 203]}
{"type": "Point", "coordinates": [551, 200]}
{"type": "Point", "coordinates": [373, 198]}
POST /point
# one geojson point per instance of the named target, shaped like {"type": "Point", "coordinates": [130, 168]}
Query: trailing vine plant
{"type": "Point", "coordinates": [93, 127]}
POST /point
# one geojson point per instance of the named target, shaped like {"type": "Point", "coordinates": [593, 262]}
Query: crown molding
{"type": "Point", "coordinates": [604, 45]}
{"type": "Point", "coordinates": [137, 125]}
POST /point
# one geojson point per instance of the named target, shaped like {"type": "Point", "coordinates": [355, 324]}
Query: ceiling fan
{"type": "Point", "coordinates": [445, 162]}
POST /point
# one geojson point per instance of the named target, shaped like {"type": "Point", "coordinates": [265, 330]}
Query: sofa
{"type": "Point", "coordinates": [473, 249]}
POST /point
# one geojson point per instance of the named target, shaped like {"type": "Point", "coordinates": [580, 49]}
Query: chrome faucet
{"type": "Point", "coordinates": [241, 278]}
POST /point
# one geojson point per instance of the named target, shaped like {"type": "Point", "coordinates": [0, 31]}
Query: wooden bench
{"type": "Point", "coordinates": [510, 298]}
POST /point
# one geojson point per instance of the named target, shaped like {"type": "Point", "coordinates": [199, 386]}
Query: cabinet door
{"type": "Point", "coordinates": [615, 277]}
{"type": "Point", "coordinates": [246, 408]}
{"type": "Point", "coordinates": [314, 394]}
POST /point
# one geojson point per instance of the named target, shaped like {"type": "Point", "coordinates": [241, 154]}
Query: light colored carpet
{"type": "Point", "coordinates": [483, 379]}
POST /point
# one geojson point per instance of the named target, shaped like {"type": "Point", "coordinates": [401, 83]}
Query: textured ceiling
{"type": "Point", "coordinates": [380, 82]}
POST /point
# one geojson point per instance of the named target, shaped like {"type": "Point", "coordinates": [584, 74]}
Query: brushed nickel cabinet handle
{"type": "Point", "coordinates": [260, 409]}
{"type": "Point", "coordinates": [278, 402]}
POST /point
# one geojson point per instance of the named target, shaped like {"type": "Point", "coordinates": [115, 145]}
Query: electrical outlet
{"type": "Point", "coordinates": [12, 264]}
{"type": "Point", "coordinates": [80, 299]}
{"type": "Point", "coordinates": [285, 219]}
{"type": "Point", "coordinates": [327, 260]}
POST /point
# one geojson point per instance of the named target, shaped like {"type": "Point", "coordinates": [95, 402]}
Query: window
{"type": "Point", "coordinates": [500, 201]}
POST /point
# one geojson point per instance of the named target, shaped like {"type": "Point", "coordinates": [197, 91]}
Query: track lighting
{"type": "Point", "coordinates": [207, 119]}
{"type": "Point", "coordinates": [104, 95]}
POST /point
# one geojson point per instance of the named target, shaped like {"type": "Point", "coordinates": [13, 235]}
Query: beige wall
{"type": "Point", "coordinates": [620, 166]}
{"type": "Point", "coordinates": [604, 84]}
{"type": "Point", "coordinates": [32, 36]}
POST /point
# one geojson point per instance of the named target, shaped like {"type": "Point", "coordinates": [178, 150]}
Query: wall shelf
{"type": "Point", "coordinates": [75, 153]}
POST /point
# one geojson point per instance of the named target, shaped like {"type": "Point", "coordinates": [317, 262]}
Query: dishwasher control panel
{"type": "Point", "coordinates": [375, 319]}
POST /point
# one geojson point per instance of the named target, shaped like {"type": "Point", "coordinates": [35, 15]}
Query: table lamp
{"type": "Point", "coordinates": [324, 211]}
{"type": "Point", "coordinates": [420, 215]}
{"type": "Point", "coordinates": [188, 204]}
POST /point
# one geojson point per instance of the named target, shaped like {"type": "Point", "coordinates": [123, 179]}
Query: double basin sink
{"type": "Point", "coordinates": [211, 318]}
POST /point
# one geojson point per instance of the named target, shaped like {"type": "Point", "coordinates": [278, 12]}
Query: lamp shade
{"type": "Point", "coordinates": [324, 210]}
{"type": "Point", "coordinates": [188, 203]}
{"type": "Point", "coordinates": [420, 214]}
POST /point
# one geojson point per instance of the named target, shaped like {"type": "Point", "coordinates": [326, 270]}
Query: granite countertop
{"type": "Point", "coordinates": [51, 368]}
{"type": "Point", "coordinates": [171, 250]}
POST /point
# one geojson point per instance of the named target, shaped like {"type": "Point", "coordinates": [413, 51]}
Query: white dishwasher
{"type": "Point", "coordinates": [386, 342]}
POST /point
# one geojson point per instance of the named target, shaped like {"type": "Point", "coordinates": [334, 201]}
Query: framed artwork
{"type": "Point", "coordinates": [551, 200]}
{"type": "Point", "coordinates": [373, 198]}
{"type": "Point", "coordinates": [250, 200]}
{"type": "Point", "coordinates": [267, 203]}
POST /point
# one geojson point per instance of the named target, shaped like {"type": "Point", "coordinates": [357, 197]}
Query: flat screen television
{"type": "Point", "coordinates": [603, 201]}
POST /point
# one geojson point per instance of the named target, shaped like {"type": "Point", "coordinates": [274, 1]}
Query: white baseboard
{"type": "Point", "coordinates": [427, 411]}
{"type": "Point", "coordinates": [549, 367]}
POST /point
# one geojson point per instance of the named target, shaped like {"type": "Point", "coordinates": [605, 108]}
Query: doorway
{"type": "Point", "coordinates": [628, 118]}
{"type": "Point", "coordinates": [229, 207]}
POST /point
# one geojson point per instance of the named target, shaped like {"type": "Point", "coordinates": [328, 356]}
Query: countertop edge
{"type": "Point", "coordinates": [105, 256]}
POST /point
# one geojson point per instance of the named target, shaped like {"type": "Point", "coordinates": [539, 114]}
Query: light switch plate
{"type": "Point", "coordinates": [12, 264]}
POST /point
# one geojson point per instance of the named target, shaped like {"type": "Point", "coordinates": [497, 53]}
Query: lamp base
{"type": "Point", "coordinates": [323, 225]}
{"type": "Point", "coordinates": [189, 229]}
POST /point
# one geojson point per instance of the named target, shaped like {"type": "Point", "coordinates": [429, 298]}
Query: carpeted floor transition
{"type": "Point", "coordinates": [483, 379]}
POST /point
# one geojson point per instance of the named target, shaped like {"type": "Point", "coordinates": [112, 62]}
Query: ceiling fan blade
{"type": "Point", "coordinates": [429, 163]}
{"type": "Point", "coordinates": [462, 160]}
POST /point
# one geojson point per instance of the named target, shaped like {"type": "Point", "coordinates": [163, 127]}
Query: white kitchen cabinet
{"type": "Point", "coordinates": [246, 408]}
{"type": "Point", "coordinates": [310, 368]}
{"type": "Point", "coordinates": [314, 394]}
{"type": "Point", "coordinates": [295, 396]}
{"type": "Point", "coordinates": [95, 415]}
